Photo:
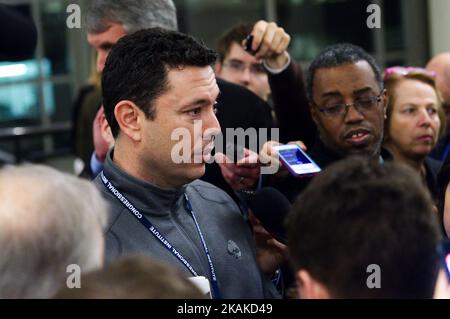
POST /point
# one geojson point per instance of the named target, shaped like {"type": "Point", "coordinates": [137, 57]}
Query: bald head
{"type": "Point", "coordinates": [440, 64]}
{"type": "Point", "coordinates": [48, 221]}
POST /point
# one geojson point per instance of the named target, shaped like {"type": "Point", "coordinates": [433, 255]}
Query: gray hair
{"type": "Point", "coordinates": [134, 15]}
{"type": "Point", "coordinates": [48, 221]}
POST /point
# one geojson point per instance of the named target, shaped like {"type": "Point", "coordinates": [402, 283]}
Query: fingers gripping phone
{"type": "Point", "coordinates": [296, 160]}
{"type": "Point", "coordinates": [248, 44]}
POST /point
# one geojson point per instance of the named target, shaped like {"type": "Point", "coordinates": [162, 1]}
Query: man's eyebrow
{"type": "Point", "coordinates": [363, 90]}
{"type": "Point", "coordinates": [331, 94]}
{"type": "Point", "coordinates": [196, 103]}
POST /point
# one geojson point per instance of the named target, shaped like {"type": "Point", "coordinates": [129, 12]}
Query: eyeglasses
{"type": "Point", "coordinates": [238, 66]}
{"type": "Point", "coordinates": [403, 71]}
{"type": "Point", "coordinates": [362, 105]}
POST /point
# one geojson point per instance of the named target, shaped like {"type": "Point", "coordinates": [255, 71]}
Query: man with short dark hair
{"type": "Point", "coordinates": [268, 71]}
{"type": "Point", "coordinates": [106, 23]}
{"type": "Point", "coordinates": [348, 102]}
{"type": "Point", "coordinates": [239, 66]}
{"type": "Point", "coordinates": [348, 105]}
{"type": "Point", "coordinates": [156, 83]}
{"type": "Point", "coordinates": [364, 230]}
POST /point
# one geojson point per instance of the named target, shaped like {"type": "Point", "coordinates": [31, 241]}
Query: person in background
{"type": "Point", "coordinates": [268, 71]}
{"type": "Point", "coordinates": [241, 67]}
{"type": "Point", "coordinates": [106, 22]}
{"type": "Point", "coordinates": [415, 121]}
{"type": "Point", "coordinates": [440, 65]}
{"type": "Point", "coordinates": [87, 98]}
{"type": "Point", "coordinates": [348, 105]}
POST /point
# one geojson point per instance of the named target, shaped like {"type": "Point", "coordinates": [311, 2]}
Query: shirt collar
{"type": "Point", "coordinates": [146, 197]}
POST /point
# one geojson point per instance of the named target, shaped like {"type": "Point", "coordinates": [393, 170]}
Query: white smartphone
{"type": "Point", "coordinates": [296, 160]}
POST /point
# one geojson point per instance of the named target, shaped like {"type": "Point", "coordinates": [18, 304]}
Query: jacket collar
{"type": "Point", "coordinates": [146, 197]}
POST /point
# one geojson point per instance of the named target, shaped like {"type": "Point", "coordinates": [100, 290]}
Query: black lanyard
{"type": "Point", "coordinates": [154, 231]}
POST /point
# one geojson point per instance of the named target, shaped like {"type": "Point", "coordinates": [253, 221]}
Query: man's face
{"type": "Point", "coordinates": [355, 132]}
{"type": "Point", "coordinates": [191, 98]}
{"type": "Point", "coordinates": [103, 42]}
{"type": "Point", "coordinates": [242, 68]}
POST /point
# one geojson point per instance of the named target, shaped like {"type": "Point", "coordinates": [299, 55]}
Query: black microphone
{"type": "Point", "coordinates": [271, 207]}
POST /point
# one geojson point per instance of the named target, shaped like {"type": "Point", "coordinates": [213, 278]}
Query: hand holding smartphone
{"type": "Point", "coordinates": [296, 160]}
{"type": "Point", "coordinates": [248, 44]}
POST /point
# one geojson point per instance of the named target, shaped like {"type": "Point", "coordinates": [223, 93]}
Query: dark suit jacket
{"type": "Point", "coordinates": [18, 34]}
{"type": "Point", "coordinates": [291, 106]}
{"type": "Point", "coordinates": [237, 107]}
{"type": "Point", "coordinates": [432, 168]}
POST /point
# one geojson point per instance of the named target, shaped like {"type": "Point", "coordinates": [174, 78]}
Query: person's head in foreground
{"type": "Point", "coordinates": [364, 230]}
{"type": "Point", "coordinates": [48, 221]}
{"type": "Point", "coordinates": [133, 277]}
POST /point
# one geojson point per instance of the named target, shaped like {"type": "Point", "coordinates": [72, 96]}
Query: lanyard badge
{"type": "Point", "coordinates": [160, 237]}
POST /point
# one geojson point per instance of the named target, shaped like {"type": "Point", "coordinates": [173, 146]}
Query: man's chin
{"type": "Point", "coordinates": [364, 150]}
{"type": "Point", "coordinates": [367, 151]}
{"type": "Point", "coordinates": [196, 170]}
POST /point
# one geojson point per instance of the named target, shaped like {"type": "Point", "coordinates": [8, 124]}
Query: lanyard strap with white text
{"type": "Point", "coordinates": [147, 224]}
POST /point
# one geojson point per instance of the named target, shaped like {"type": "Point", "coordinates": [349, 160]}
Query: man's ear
{"type": "Point", "coordinates": [310, 288]}
{"type": "Point", "coordinates": [218, 68]}
{"type": "Point", "coordinates": [129, 117]}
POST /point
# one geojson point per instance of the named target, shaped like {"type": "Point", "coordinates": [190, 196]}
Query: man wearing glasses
{"type": "Point", "coordinates": [348, 105]}
{"type": "Point", "coordinates": [264, 66]}
{"type": "Point", "coordinates": [246, 63]}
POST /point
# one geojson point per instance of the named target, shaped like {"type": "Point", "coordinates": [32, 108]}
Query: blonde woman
{"type": "Point", "coordinates": [415, 120]}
